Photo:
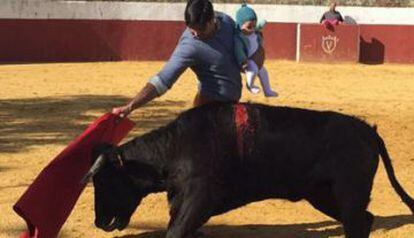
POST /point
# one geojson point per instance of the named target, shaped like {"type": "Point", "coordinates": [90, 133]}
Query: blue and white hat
{"type": "Point", "coordinates": [245, 13]}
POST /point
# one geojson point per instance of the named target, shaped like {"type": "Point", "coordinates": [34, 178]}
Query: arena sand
{"type": "Point", "coordinates": [44, 106]}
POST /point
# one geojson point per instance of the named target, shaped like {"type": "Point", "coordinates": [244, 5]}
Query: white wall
{"type": "Point", "coordinates": [43, 9]}
{"type": "Point", "coordinates": [46, 9]}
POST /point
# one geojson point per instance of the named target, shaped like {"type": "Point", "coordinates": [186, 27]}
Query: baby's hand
{"type": "Point", "coordinates": [244, 66]}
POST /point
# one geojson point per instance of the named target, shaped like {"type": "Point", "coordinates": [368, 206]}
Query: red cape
{"type": "Point", "coordinates": [47, 203]}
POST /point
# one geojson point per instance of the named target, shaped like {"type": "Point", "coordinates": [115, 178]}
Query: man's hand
{"type": "Point", "coordinates": [123, 111]}
{"type": "Point", "coordinates": [147, 93]}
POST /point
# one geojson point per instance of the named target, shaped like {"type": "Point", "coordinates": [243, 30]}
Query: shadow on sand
{"type": "Point", "coordinates": [58, 120]}
{"type": "Point", "coordinates": [323, 229]}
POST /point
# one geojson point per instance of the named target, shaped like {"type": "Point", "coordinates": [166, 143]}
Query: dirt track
{"type": "Point", "coordinates": [44, 106]}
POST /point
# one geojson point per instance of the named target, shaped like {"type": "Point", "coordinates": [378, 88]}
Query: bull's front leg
{"type": "Point", "coordinates": [190, 209]}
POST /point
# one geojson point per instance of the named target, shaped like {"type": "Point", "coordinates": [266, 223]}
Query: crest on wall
{"type": "Point", "coordinates": [329, 43]}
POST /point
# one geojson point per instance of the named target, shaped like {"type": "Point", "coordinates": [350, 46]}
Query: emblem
{"type": "Point", "coordinates": [329, 43]}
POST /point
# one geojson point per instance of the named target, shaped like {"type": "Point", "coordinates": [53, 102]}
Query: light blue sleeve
{"type": "Point", "coordinates": [182, 58]}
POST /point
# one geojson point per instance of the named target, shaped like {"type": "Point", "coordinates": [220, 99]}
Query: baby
{"type": "Point", "coordinates": [249, 50]}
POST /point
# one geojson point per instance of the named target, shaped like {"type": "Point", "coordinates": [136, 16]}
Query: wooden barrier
{"type": "Point", "coordinates": [280, 40]}
{"type": "Point", "coordinates": [329, 44]}
{"type": "Point", "coordinates": [65, 40]}
{"type": "Point", "coordinates": [87, 40]}
{"type": "Point", "coordinates": [106, 40]}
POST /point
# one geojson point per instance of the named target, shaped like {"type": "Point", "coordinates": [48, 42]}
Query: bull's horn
{"type": "Point", "coordinates": [99, 163]}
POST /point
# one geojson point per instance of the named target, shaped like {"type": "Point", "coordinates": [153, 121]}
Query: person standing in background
{"type": "Point", "coordinates": [331, 17]}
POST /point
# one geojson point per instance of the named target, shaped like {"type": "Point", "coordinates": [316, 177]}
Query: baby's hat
{"type": "Point", "coordinates": [245, 13]}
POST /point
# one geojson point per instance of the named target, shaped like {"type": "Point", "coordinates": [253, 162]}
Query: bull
{"type": "Point", "coordinates": [219, 157]}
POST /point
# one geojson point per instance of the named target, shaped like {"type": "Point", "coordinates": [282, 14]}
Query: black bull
{"type": "Point", "coordinates": [215, 158]}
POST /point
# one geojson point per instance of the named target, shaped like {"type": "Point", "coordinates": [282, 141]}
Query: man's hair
{"type": "Point", "coordinates": [198, 13]}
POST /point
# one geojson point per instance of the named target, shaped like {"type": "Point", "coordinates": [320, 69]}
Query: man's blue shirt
{"type": "Point", "coordinates": [212, 61]}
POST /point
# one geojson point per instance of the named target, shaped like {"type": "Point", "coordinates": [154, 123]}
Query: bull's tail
{"type": "Point", "coordinates": [391, 175]}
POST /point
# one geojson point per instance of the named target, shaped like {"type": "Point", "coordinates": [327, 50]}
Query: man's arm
{"type": "Point", "coordinates": [147, 93]}
{"type": "Point", "coordinates": [181, 59]}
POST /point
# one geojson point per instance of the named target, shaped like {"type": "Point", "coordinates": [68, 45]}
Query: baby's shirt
{"type": "Point", "coordinates": [253, 45]}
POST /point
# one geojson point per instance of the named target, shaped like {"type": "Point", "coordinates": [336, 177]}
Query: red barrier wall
{"type": "Point", "coordinates": [333, 44]}
{"type": "Point", "coordinates": [385, 43]}
{"type": "Point", "coordinates": [103, 40]}
{"type": "Point", "coordinates": [87, 40]}
{"type": "Point", "coordinates": [280, 40]}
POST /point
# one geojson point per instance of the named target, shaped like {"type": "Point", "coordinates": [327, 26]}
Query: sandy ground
{"type": "Point", "coordinates": [44, 106]}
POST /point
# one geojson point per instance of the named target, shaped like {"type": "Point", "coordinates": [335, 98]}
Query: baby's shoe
{"type": "Point", "coordinates": [271, 93]}
{"type": "Point", "coordinates": [253, 89]}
